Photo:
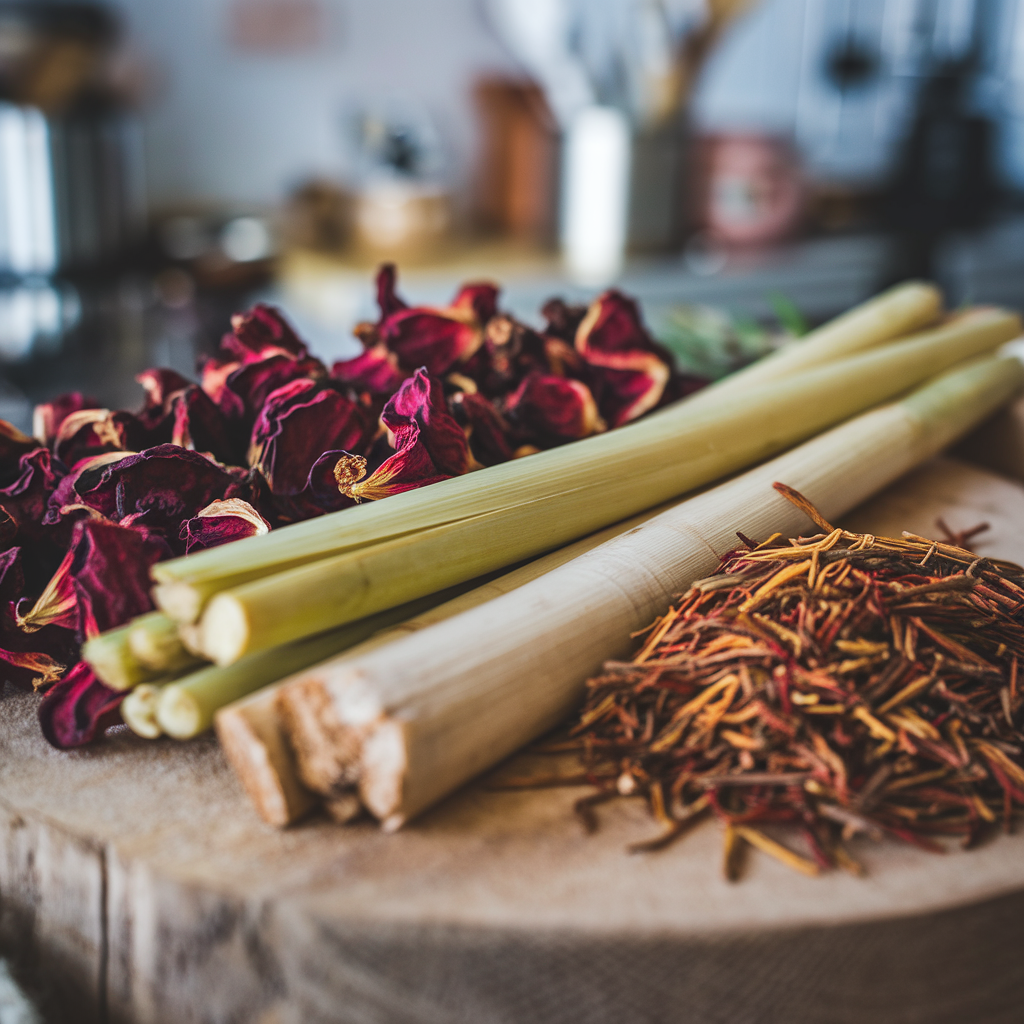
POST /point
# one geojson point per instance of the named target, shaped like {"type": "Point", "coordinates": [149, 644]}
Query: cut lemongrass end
{"type": "Point", "coordinates": [189, 704]}
{"type": "Point", "coordinates": [178, 712]}
{"type": "Point", "coordinates": [156, 643]}
{"type": "Point", "coordinates": [112, 660]}
{"type": "Point", "coordinates": [138, 710]}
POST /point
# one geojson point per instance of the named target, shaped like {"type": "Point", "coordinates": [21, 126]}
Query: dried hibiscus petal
{"type": "Point", "coordinates": [221, 522]}
{"type": "Point", "coordinates": [418, 413]}
{"type": "Point", "coordinates": [159, 384]}
{"type": "Point", "coordinates": [438, 339]}
{"type": "Point", "coordinates": [388, 301]}
{"type": "Point", "coordinates": [430, 445]}
{"type": "Point", "coordinates": [407, 469]}
{"type": "Point", "coordinates": [485, 429]}
{"type": "Point", "coordinates": [27, 498]}
{"type": "Point", "coordinates": [376, 370]}
{"type": "Point", "coordinates": [261, 333]}
{"type": "Point", "coordinates": [296, 425]}
{"type": "Point", "coordinates": [102, 582]}
{"type": "Point", "coordinates": [48, 416]}
{"type": "Point", "coordinates": [550, 410]}
{"type": "Point", "coordinates": [78, 708]}
{"type": "Point", "coordinates": [247, 387]}
{"type": "Point", "coordinates": [28, 661]}
{"type": "Point", "coordinates": [169, 483]}
{"type": "Point", "coordinates": [213, 375]}
{"type": "Point", "coordinates": [96, 431]}
{"type": "Point", "coordinates": [630, 369]}
{"type": "Point", "coordinates": [512, 350]}
{"type": "Point", "coordinates": [199, 425]}
{"type": "Point", "coordinates": [13, 444]}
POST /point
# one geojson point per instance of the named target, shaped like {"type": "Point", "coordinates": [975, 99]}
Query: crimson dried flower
{"type": "Point", "coordinates": [167, 483]}
{"type": "Point", "coordinates": [430, 445]}
{"type": "Point", "coordinates": [30, 661]}
{"type": "Point", "coordinates": [296, 425]}
{"type": "Point", "coordinates": [92, 432]}
{"type": "Point", "coordinates": [440, 339]}
{"type": "Point", "coordinates": [102, 582]}
{"type": "Point", "coordinates": [547, 410]}
{"type": "Point", "coordinates": [78, 708]}
{"type": "Point", "coordinates": [199, 425]}
{"type": "Point", "coordinates": [248, 386]}
{"type": "Point", "coordinates": [261, 333]}
{"type": "Point", "coordinates": [631, 371]}
{"type": "Point", "coordinates": [221, 522]}
{"type": "Point", "coordinates": [13, 444]}
{"type": "Point", "coordinates": [484, 427]}
{"type": "Point", "coordinates": [48, 416]}
{"type": "Point", "coordinates": [26, 499]}
{"type": "Point", "coordinates": [375, 370]}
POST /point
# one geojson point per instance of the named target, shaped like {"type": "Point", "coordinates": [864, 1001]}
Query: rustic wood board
{"type": "Point", "coordinates": [140, 885]}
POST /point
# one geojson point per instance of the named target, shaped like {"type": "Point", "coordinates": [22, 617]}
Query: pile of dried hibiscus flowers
{"type": "Point", "coordinates": [271, 436]}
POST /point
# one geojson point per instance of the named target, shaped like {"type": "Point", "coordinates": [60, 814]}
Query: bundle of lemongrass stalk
{"type": "Point", "coordinates": [266, 607]}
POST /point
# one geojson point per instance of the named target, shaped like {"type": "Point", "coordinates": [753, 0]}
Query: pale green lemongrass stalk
{"type": "Point", "coordinates": [543, 502]}
{"type": "Point", "coordinates": [423, 715]}
{"type": "Point", "coordinates": [185, 584]}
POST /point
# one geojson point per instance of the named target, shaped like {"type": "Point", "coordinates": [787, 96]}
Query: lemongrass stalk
{"type": "Point", "coordinates": [187, 705]}
{"type": "Point", "coordinates": [114, 662]}
{"type": "Point", "coordinates": [250, 730]}
{"type": "Point", "coordinates": [154, 641]}
{"type": "Point", "coordinates": [185, 584]}
{"type": "Point", "coordinates": [627, 471]}
{"type": "Point", "coordinates": [431, 711]}
{"type": "Point", "coordinates": [138, 710]}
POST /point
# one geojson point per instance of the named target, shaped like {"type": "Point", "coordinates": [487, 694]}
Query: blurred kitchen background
{"type": "Point", "coordinates": [738, 166]}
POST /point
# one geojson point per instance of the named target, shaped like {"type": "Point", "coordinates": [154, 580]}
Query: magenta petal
{"type": "Point", "coordinates": [420, 404]}
{"type": "Point", "coordinates": [26, 499]}
{"type": "Point", "coordinates": [296, 425]}
{"type": "Point", "coordinates": [261, 333]}
{"type": "Point", "coordinates": [410, 467]}
{"type": "Point", "coordinates": [169, 482]}
{"type": "Point", "coordinates": [479, 298]}
{"type": "Point", "coordinates": [388, 301]}
{"type": "Point", "coordinates": [222, 522]}
{"type": "Point", "coordinates": [200, 426]}
{"type": "Point", "coordinates": [248, 387]}
{"type": "Point", "coordinates": [13, 445]}
{"type": "Point", "coordinates": [48, 416]}
{"type": "Point", "coordinates": [631, 371]}
{"type": "Point", "coordinates": [547, 410]}
{"type": "Point", "coordinates": [78, 708]}
{"type": "Point", "coordinates": [160, 383]}
{"type": "Point", "coordinates": [375, 370]}
{"type": "Point", "coordinates": [487, 432]}
{"type": "Point", "coordinates": [110, 568]}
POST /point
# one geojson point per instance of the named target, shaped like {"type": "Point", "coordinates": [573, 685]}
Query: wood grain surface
{"type": "Point", "coordinates": [137, 884]}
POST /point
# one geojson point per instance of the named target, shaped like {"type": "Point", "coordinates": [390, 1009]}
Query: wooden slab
{"type": "Point", "coordinates": [137, 874]}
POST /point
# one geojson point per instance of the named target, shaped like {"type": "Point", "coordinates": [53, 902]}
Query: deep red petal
{"type": "Point", "coordinates": [78, 708]}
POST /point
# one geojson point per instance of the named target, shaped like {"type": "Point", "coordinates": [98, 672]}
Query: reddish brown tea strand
{"type": "Point", "coordinates": [821, 687]}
